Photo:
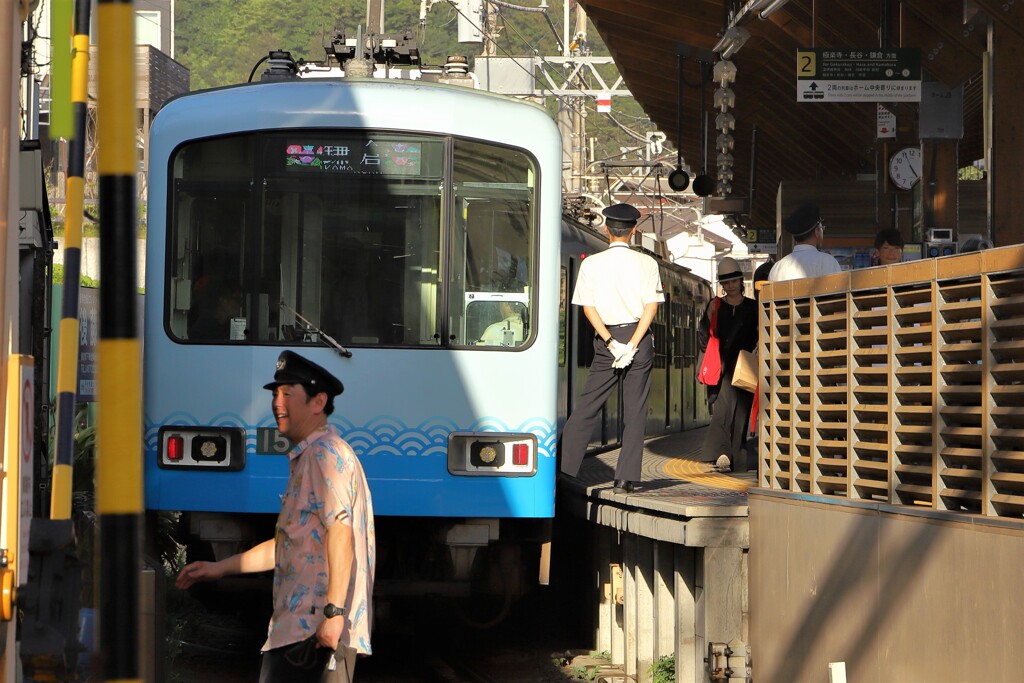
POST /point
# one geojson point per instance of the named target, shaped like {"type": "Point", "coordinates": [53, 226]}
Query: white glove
{"type": "Point", "coordinates": [618, 349]}
{"type": "Point", "coordinates": [625, 359]}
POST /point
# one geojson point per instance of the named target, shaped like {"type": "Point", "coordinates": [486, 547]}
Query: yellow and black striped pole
{"type": "Point", "coordinates": [119, 376]}
{"type": "Point", "coordinates": [67, 353]}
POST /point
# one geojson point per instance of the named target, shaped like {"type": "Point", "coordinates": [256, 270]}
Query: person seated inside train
{"type": "Point", "coordinates": [509, 331]}
{"type": "Point", "coordinates": [216, 305]}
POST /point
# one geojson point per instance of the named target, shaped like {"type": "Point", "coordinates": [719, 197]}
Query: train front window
{"type": "Point", "coordinates": [286, 236]}
{"type": "Point", "coordinates": [491, 267]}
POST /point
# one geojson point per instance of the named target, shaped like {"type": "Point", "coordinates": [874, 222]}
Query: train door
{"type": "Point", "coordinates": [565, 341]}
{"type": "Point", "coordinates": [688, 337]}
{"type": "Point", "coordinates": [701, 413]}
{"type": "Point", "coordinates": [657, 404]}
{"type": "Point", "coordinates": [579, 346]}
{"type": "Point", "coordinates": [674, 387]}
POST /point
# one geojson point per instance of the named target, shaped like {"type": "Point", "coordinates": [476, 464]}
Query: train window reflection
{"type": "Point", "coordinates": [283, 237]}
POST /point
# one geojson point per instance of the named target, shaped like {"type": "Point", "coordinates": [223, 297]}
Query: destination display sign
{"type": "Point", "coordinates": [362, 157]}
{"type": "Point", "coordinates": [869, 75]}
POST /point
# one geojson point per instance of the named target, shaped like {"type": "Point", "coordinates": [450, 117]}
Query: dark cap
{"type": "Point", "coordinates": [622, 212]}
{"type": "Point", "coordinates": [803, 220]}
{"type": "Point", "coordinates": [294, 369]}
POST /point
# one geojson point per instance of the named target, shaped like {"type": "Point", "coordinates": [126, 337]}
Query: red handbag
{"type": "Point", "coordinates": [710, 370]}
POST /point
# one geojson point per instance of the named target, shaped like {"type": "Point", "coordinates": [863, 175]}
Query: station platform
{"type": "Point", "coordinates": [679, 499]}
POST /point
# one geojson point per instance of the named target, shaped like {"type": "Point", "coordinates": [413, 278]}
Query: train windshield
{"type": "Point", "coordinates": [280, 237]}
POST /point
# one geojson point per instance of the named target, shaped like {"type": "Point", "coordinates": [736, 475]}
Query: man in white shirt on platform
{"type": "Point", "coordinates": [619, 290]}
{"type": "Point", "coordinates": [808, 231]}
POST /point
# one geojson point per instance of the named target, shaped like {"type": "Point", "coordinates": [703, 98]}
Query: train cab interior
{"type": "Point", "coordinates": [273, 239]}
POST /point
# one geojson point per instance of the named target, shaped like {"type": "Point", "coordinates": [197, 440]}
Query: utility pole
{"type": "Point", "coordinates": [572, 114]}
{"type": "Point", "coordinates": [491, 30]}
{"type": "Point", "coordinates": [375, 16]}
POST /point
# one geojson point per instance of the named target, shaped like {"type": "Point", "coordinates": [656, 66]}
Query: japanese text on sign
{"type": "Point", "coordinates": [859, 75]}
{"type": "Point", "coordinates": [359, 157]}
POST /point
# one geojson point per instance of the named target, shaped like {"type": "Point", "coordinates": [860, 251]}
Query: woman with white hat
{"type": "Point", "coordinates": [735, 318]}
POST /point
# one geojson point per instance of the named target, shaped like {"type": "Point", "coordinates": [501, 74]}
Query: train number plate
{"type": "Point", "coordinates": [269, 441]}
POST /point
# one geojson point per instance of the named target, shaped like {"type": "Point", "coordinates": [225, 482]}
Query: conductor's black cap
{"type": "Point", "coordinates": [294, 369]}
{"type": "Point", "coordinates": [621, 212]}
{"type": "Point", "coordinates": [804, 219]}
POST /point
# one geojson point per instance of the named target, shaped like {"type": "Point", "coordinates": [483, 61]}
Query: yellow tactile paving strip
{"type": "Point", "coordinates": [697, 473]}
{"type": "Point", "coordinates": [672, 473]}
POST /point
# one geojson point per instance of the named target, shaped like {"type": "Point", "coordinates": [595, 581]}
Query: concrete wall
{"type": "Point", "coordinates": [897, 594]}
{"type": "Point", "coordinates": [91, 258]}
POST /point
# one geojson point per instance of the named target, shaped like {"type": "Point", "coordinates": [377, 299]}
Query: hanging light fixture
{"type": "Point", "coordinates": [724, 173]}
{"type": "Point", "coordinates": [725, 122]}
{"type": "Point", "coordinates": [679, 179]}
{"type": "Point", "coordinates": [703, 184]}
{"type": "Point", "coordinates": [725, 142]}
{"type": "Point", "coordinates": [724, 98]}
{"type": "Point", "coordinates": [724, 188]}
{"type": "Point", "coordinates": [725, 159]}
{"type": "Point", "coordinates": [724, 73]}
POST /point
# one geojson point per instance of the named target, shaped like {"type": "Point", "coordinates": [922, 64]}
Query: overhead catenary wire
{"type": "Point", "coordinates": [538, 10]}
{"type": "Point", "coordinates": [544, 62]}
{"type": "Point", "coordinates": [535, 51]}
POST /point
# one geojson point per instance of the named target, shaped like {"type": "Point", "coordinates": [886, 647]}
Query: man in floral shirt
{"type": "Point", "coordinates": [323, 552]}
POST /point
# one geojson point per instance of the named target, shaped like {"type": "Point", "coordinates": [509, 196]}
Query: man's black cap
{"type": "Point", "coordinates": [294, 369]}
{"type": "Point", "coordinates": [621, 212]}
{"type": "Point", "coordinates": [803, 220]}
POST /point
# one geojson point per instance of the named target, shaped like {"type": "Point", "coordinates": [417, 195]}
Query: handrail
{"type": "Point", "coordinates": [899, 384]}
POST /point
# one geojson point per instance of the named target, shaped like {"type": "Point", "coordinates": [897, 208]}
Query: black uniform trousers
{"type": "Point", "coordinates": [601, 380]}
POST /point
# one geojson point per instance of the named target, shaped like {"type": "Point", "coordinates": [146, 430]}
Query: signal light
{"type": "Point", "coordinates": [175, 447]}
{"type": "Point", "coordinates": [520, 454]}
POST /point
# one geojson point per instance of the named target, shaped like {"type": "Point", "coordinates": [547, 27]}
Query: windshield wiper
{"type": "Point", "coordinates": [326, 338]}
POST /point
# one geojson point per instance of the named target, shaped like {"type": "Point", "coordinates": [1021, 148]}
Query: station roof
{"type": "Point", "coordinates": [795, 141]}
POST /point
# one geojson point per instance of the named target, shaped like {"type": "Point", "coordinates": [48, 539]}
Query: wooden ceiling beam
{"type": "Point", "coordinates": [950, 51]}
{"type": "Point", "coordinates": [1009, 14]}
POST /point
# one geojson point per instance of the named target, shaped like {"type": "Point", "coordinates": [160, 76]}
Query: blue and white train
{"type": "Point", "coordinates": [407, 236]}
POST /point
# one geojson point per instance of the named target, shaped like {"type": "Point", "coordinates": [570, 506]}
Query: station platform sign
{"type": "Point", "coordinates": [851, 75]}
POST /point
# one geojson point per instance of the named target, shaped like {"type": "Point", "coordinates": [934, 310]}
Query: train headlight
{"type": "Point", "coordinates": [484, 454]}
{"type": "Point", "coordinates": [209, 448]}
{"type": "Point", "coordinates": [492, 454]}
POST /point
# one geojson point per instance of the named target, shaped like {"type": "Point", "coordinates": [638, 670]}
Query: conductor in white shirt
{"type": "Point", "coordinates": [808, 231]}
{"type": "Point", "coordinates": [619, 290]}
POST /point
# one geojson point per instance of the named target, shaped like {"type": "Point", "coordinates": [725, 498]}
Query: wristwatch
{"type": "Point", "coordinates": [608, 340]}
{"type": "Point", "coordinates": [331, 611]}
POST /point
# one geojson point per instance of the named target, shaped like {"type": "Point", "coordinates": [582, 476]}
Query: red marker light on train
{"type": "Point", "coordinates": [520, 454]}
{"type": "Point", "coordinates": [175, 448]}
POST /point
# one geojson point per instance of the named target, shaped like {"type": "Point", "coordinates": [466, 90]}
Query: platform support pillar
{"type": "Point", "coordinates": [664, 601]}
{"type": "Point", "coordinates": [606, 598]}
{"type": "Point", "coordinates": [725, 578]}
{"type": "Point", "coordinates": [629, 608]}
{"type": "Point", "coordinates": [688, 651]}
{"type": "Point", "coordinates": [646, 611]}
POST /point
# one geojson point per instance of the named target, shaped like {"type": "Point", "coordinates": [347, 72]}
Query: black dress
{"type": "Point", "coordinates": [736, 328]}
